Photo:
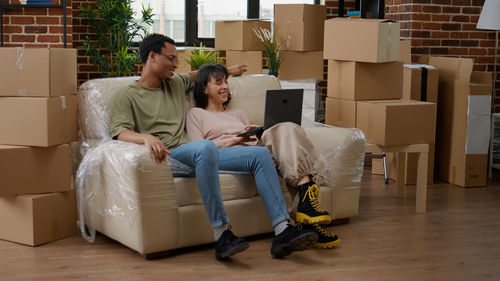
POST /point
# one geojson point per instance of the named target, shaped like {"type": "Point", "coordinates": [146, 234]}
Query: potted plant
{"type": "Point", "coordinates": [271, 50]}
{"type": "Point", "coordinates": [112, 48]}
{"type": "Point", "coordinates": [199, 57]}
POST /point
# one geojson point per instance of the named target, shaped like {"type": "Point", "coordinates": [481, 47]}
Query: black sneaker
{"type": "Point", "coordinates": [326, 239]}
{"type": "Point", "coordinates": [293, 238]}
{"type": "Point", "coordinates": [229, 244]}
{"type": "Point", "coordinates": [308, 210]}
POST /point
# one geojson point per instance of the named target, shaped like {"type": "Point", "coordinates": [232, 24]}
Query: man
{"type": "Point", "coordinates": [151, 112]}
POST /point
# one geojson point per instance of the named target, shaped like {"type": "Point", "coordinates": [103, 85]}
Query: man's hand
{"type": "Point", "coordinates": [237, 70]}
{"type": "Point", "coordinates": [156, 148]}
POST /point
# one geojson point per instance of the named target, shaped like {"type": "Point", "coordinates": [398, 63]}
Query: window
{"type": "Point", "coordinates": [169, 19]}
{"type": "Point", "coordinates": [189, 22]}
{"type": "Point", "coordinates": [210, 11]}
{"type": "Point", "coordinates": [266, 7]}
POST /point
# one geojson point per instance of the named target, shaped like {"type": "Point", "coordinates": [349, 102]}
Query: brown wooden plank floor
{"type": "Point", "coordinates": [458, 239]}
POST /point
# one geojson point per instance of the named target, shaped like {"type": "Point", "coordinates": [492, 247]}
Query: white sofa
{"type": "Point", "coordinates": [126, 196]}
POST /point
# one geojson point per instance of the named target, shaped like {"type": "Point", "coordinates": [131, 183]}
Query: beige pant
{"type": "Point", "coordinates": [293, 154]}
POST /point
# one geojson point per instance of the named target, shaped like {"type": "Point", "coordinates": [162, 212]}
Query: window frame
{"type": "Point", "coordinates": [191, 21]}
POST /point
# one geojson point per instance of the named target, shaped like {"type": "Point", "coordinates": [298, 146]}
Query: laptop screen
{"type": "Point", "coordinates": [284, 105]}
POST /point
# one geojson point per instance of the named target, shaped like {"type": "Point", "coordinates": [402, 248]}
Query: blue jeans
{"type": "Point", "coordinates": [207, 160]}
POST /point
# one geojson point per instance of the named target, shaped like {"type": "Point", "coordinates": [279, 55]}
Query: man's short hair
{"type": "Point", "coordinates": [153, 42]}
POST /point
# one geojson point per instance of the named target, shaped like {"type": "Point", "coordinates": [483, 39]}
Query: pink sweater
{"type": "Point", "coordinates": [202, 124]}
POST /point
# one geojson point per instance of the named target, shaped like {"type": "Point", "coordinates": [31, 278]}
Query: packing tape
{"type": "Point", "coordinates": [22, 93]}
{"type": "Point", "coordinates": [423, 84]}
{"type": "Point", "coordinates": [371, 120]}
{"type": "Point", "coordinates": [63, 102]}
{"type": "Point", "coordinates": [390, 39]}
{"type": "Point", "coordinates": [459, 65]}
{"type": "Point", "coordinates": [340, 112]}
{"type": "Point", "coordinates": [20, 58]}
{"type": "Point", "coordinates": [339, 78]}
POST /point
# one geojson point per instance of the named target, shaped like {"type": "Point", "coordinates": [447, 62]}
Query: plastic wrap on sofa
{"type": "Point", "coordinates": [341, 153]}
{"type": "Point", "coordinates": [96, 104]}
{"type": "Point", "coordinates": [125, 165]}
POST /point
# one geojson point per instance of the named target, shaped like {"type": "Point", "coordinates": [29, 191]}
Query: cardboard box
{"type": "Point", "coordinates": [33, 170]}
{"type": "Point", "coordinates": [299, 27]}
{"type": "Point", "coordinates": [37, 72]}
{"type": "Point", "coordinates": [405, 51]}
{"type": "Point", "coordinates": [38, 219]}
{"type": "Point", "coordinates": [420, 82]}
{"type": "Point", "coordinates": [182, 54]}
{"type": "Point", "coordinates": [38, 121]}
{"type": "Point", "coordinates": [340, 113]}
{"type": "Point", "coordinates": [463, 122]}
{"type": "Point", "coordinates": [365, 81]}
{"type": "Point", "coordinates": [410, 166]}
{"type": "Point", "coordinates": [253, 59]}
{"type": "Point", "coordinates": [362, 40]}
{"type": "Point", "coordinates": [394, 122]}
{"type": "Point", "coordinates": [238, 35]}
{"type": "Point", "coordinates": [301, 65]}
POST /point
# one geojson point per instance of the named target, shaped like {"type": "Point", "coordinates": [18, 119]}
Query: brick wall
{"type": "Point", "coordinates": [86, 70]}
{"type": "Point", "coordinates": [332, 8]}
{"type": "Point", "coordinates": [36, 27]}
{"type": "Point", "coordinates": [446, 28]}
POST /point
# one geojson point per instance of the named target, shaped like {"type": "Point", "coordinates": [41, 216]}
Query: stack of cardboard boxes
{"type": "Point", "coordinates": [365, 84]}
{"type": "Point", "coordinates": [464, 115]}
{"type": "Point", "coordinates": [298, 30]}
{"type": "Point", "coordinates": [38, 120]}
{"type": "Point", "coordinates": [420, 82]}
{"type": "Point", "coordinates": [240, 42]}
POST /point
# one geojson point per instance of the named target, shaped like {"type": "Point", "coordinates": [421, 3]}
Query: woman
{"type": "Point", "coordinates": [290, 148]}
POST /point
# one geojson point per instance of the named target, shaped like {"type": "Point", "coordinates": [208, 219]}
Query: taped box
{"type": "Point", "coordinates": [38, 219]}
{"type": "Point", "coordinates": [464, 107]}
{"type": "Point", "coordinates": [37, 72]}
{"type": "Point", "coordinates": [299, 27]}
{"type": "Point", "coordinates": [362, 40]}
{"type": "Point", "coordinates": [253, 60]}
{"type": "Point", "coordinates": [38, 121]}
{"type": "Point", "coordinates": [301, 65]}
{"type": "Point", "coordinates": [364, 81]}
{"type": "Point", "coordinates": [340, 113]}
{"type": "Point", "coordinates": [32, 170]}
{"type": "Point", "coordinates": [420, 82]}
{"type": "Point", "coordinates": [239, 35]}
{"type": "Point", "coordinates": [395, 122]}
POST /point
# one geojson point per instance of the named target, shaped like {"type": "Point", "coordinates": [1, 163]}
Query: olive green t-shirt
{"type": "Point", "coordinates": [159, 112]}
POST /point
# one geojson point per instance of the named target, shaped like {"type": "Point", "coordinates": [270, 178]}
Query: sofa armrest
{"type": "Point", "coordinates": [117, 184]}
{"type": "Point", "coordinates": [341, 152]}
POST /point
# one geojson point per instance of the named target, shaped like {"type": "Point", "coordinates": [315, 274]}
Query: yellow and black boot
{"type": "Point", "coordinates": [326, 239]}
{"type": "Point", "coordinates": [308, 210]}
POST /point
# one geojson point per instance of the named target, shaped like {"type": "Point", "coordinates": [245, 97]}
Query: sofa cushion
{"type": "Point", "coordinates": [233, 186]}
{"type": "Point", "coordinates": [248, 92]}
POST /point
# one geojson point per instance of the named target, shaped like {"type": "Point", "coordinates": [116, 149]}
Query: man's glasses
{"type": "Point", "coordinates": [174, 59]}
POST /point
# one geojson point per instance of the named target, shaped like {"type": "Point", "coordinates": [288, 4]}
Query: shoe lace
{"type": "Point", "coordinates": [322, 231]}
{"type": "Point", "coordinates": [312, 192]}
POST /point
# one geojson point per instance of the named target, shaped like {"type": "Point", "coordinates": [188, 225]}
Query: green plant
{"type": "Point", "coordinates": [199, 57]}
{"type": "Point", "coordinates": [115, 27]}
{"type": "Point", "coordinates": [271, 49]}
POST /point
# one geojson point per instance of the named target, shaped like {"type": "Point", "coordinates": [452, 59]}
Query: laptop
{"type": "Point", "coordinates": [283, 105]}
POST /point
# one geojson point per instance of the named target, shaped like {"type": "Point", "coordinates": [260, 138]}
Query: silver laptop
{"type": "Point", "coordinates": [284, 105]}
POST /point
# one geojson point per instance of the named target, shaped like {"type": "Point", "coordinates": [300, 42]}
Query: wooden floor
{"type": "Point", "coordinates": [458, 239]}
